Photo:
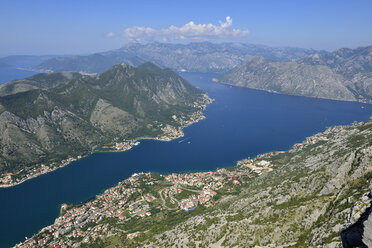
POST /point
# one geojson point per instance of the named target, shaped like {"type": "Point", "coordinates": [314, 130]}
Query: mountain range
{"type": "Point", "coordinates": [317, 194]}
{"type": "Point", "coordinates": [194, 57]}
{"type": "Point", "coordinates": [345, 74]}
{"type": "Point", "coordinates": [64, 115]}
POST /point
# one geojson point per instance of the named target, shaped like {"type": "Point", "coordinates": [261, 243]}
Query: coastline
{"type": "Point", "coordinates": [216, 80]}
{"type": "Point", "coordinates": [109, 204]}
{"type": "Point", "coordinates": [169, 133]}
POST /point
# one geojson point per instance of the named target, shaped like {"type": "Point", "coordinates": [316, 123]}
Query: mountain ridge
{"type": "Point", "coordinates": [196, 57]}
{"type": "Point", "coordinates": [38, 81]}
{"type": "Point", "coordinates": [345, 74]}
{"type": "Point", "coordinates": [43, 126]}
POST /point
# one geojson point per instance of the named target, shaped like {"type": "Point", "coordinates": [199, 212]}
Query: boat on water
{"type": "Point", "coordinates": [136, 143]}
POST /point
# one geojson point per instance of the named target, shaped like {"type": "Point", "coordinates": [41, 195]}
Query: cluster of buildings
{"type": "Point", "coordinates": [171, 132]}
{"type": "Point", "coordinates": [129, 200]}
{"type": "Point", "coordinates": [124, 145]}
{"type": "Point", "coordinates": [82, 223]}
{"type": "Point", "coordinates": [11, 179]}
{"type": "Point", "coordinates": [317, 138]}
{"type": "Point", "coordinates": [189, 203]}
{"type": "Point", "coordinates": [6, 180]}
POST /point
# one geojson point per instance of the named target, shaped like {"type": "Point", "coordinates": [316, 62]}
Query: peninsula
{"type": "Point", "coordinates": [49, 120]}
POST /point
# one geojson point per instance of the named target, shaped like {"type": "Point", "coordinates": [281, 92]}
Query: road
{"type": "Point", "coordinates": [163, 200]}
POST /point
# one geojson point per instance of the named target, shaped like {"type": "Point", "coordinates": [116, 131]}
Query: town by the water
{"type": "Point", "coordinates": [169, 133]}
{"type": "Point", "coordinates": [122, 208]}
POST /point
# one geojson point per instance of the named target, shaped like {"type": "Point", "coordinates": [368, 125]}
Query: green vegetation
{"type": "Point", "coordinates": [69, 114]}
{"type": "Point", "coordinates": [38, 81]}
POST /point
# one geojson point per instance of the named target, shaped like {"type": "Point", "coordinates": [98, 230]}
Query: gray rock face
{"type": "Point", "coordinates": [316, 191]}
{"type": "Point", "coordinates": [358, 231]}
{"type": "Point", "coordinates": [345, 74]}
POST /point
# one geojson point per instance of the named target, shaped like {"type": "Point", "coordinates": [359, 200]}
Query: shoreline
{"type": "Point", "coordinates": [243, 169]}
{"type": "Point", "coordinates": [216, 80]}
{"type": "Point", "coordinates": [169, 133]}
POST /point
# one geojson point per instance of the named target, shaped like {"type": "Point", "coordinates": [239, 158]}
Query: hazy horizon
{"type": "Point", "coordinates": [69, 27]}
{"type": "Point", "coordinates": [88, 53]}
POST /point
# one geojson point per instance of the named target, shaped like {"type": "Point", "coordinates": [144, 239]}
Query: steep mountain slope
{"type": "Point", "coordinates": [345, 61]}
{"type": "Point", "coordinates": [87, 114]}
{"type": "Point", "coordinates": [345, 74]}
{"type": "Point", "coordinates": [316, 190]}
{"type": "Point", "coordinates": [39, 81]}
{"type": "Point", "coordinates": [303, 197]}
{"type": "Point", "coordinates": [355, 65]}
{"type": "Point", "coordinates": [198, 57]}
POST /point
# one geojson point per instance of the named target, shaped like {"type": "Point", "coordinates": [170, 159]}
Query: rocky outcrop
{"type": "Point", "coordinates": [367, 231]}
{"type": "Point", "coordinates": [358, 225]}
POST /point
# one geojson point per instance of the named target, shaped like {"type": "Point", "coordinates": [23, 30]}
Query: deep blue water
{"type": "Point", "coordinates": [11, 73]}
{"type": "Point", "coordinates": [240, 123]}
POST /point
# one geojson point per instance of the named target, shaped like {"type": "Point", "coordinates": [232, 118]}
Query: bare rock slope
{"type": "Point", "coordinates": [345, 74]}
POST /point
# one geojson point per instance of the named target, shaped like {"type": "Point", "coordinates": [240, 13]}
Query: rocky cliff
{"type": "Point", "coordinates": [345, 74]}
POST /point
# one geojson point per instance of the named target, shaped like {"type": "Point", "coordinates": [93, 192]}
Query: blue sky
{"type": "Point", "coordinates": [78, 27]}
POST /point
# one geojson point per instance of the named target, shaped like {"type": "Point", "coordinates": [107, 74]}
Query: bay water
{"type": "Point", "coordinates": [240, 123]}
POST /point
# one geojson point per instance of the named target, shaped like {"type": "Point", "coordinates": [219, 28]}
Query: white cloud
{"type": "Point", "coordinates": [189, 31]}
{"type": "Point", "coordinates": [135, 33]}
{"type": "Point", "coordinates": [110, 34]}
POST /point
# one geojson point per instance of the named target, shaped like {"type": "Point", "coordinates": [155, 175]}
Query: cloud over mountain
{"type": "Point", "coordinates": [189, 31]}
